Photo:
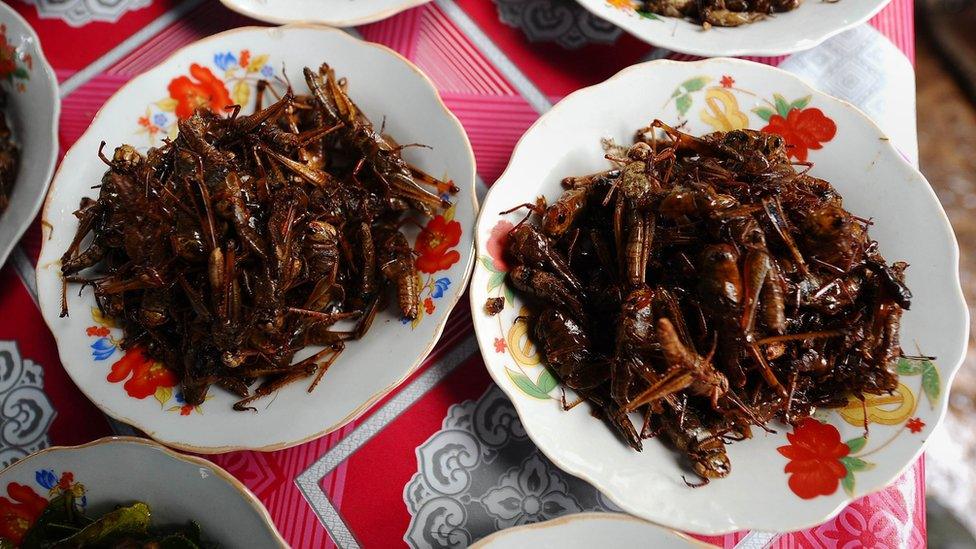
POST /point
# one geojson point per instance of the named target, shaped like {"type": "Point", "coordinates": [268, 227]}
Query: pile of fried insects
{"type": "Point", "coordinates": [720, 13]}
{"type": "Point", "coordinates": [9, 156]}
{"type": "Point", "coordinates": [248, 237]}
{"type": "Point", "coordinates": [738, 290]}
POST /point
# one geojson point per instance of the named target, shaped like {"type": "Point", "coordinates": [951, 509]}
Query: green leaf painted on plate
{"type": "Point", "coordinates": [495, 280]}
{"type": "Point", "coordinates": [848, 483]}
{"type": "Point", "coordinates": [546, 382]}
{"type": "Point", "coordinates": [696, 83]}
{"type": "Point", "coordinates": [21, 72]}
{"type": "Point", "coordinates": [487, 263]}
{"type": "Point", "coordinates": [856, 444]}
{"type": "Point", "coordinates": [931, 383]}
{"type": "Point", "coordinates": [644, 14]}
{"type": "Point", "coordinates": [801, 103]}
{"type": "Point", "coordinates": [683, 103]}
{"type": "Point", "coordinates": [509, 296]}
{"type": "Point", "coordinates": [855, 464]}
{"type": "Point", "coordinates": [782, 105]}
{"type": "Point", "coordinates": [525, 384]}
{"type": "Point", "coordinates": [763, 112]}
{"type": "Point", "coordinates": [908, 367]}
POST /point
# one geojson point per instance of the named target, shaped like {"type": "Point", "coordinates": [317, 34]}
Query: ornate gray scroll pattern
{"type": "Point", "coordinates": [78, 13]}
{"type": "Point", "coordinates": [561, 21]}
{"type": "Point", "coordinates": [480, 473]}
{"type": "Point", "coordinates": [25, 411]}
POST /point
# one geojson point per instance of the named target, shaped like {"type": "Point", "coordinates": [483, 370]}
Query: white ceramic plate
{"type": "Point", "coordinates": [875, 181]}
{"type": "Point", "coordinates": [33, 106]}
{"type": "Point", "coordinates": [336, 13]}
{"type": "Point", "coordinates": [587, 530]}
{"type": "Point", "coordinates": [120, 470]}
{"type": "Point", "coordinates": [780, 34]}
{"type": "Point", "coordinates": [384, 85]}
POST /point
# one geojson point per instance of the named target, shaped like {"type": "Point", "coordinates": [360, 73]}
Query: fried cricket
{"type": "Point", "coordinates": [246, 238]}
{"type": "Point", "coordinates": [709, 286]}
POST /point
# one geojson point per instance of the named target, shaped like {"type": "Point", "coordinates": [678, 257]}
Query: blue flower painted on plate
{"type": "Point", "coordinates": [160, 119]}
{"type": "Point", "coordinates": [225, 60]}
{"type": "Point", "coordinates": [46, 478]}
{"type": "Point", "coordinates": [267, 71]}
{"type": "Point", "coordinates": [102, 348]}
{"type": "Point", "coordinates": [440, 286]}
{"type": "Point", "coordinates": [404, 320]}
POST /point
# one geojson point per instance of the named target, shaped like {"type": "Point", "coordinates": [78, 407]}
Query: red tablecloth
{"type": "Point", "coordinates": [377, 482]}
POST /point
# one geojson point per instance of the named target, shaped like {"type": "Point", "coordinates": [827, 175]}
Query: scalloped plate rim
{"type": "Point", "coordinates": [469, 257]}
{"type": "Point", "coordinates": [26, 216]}
{"type": "Point", "coordinates": [664, 39]}
{"type": "Point", "coordinates": [484, 339]}
{"type": "Point", "coordinates": [245, 492]}
{"type": "Point", "coordinates": [236, 5]}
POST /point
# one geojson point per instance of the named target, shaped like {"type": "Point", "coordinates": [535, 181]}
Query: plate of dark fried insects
{"type": "Point", "coordinates": [240, 257]}
{"type": "Point", "coordinates": [711, 28]}
{"type": "Point", "coordinates": [735, 306]}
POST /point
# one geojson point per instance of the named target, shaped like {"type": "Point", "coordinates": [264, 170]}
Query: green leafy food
{"type": "Point", "coordinates": [132, 520]}
{"type": "Point", "coordinates": [63, 525]}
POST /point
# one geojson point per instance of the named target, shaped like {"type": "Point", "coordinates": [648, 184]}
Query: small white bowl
{"type": "Point", "coordinates": [779, 34]}
{"type": "Point", "coordinates": [587, 530]}
{"type": "Point", "coordinates": [387, 87]}
{"type": "Point", "coordinates": [33, 107]}
{"type": "Point", "coordinates": [121, 470]}
{"type": "Point", "coordinates": [335, 13]}
{"type": "Point", "coordinates": [875, 181]}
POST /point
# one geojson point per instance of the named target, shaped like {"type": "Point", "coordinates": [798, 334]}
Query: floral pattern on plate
{"type": "Point", "coordinates": [201, 87]}
{"type": "Point", "coordinates": [141, 377]}
{"type": "Point", "coordinates": [240, 72]}
{"type": "Point", "coordinates": [817, 465]}
{"type": "Point", "coordinates": [15, 63]}
{"type": "Point", "coordinates": [22, 506]}
{"type": "Point", "coordinates": [219, 73]}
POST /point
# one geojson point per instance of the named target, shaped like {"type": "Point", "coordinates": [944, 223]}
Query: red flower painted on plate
{"type": "Point", "coordinates": [97, 331]}
{"type": "Point", "coordinates": [814, 452]}
{"type": "Point", "coordinates": [19, 512]}
{"type": "Point", "coordinates": [66, 481]}
{"type": "Point", "coordinates": [245, 58]}
{"type": "Point", "coordinates": [429, 305]}
{"type": "Point", "coordinates": [206, 92]}
{"type": "Point", "coordinates": [147, 375]}
{"type": "Point", "coordinates": [8, 54]}
{"type": "Point", "coordinates": [727, 81]}
{"type": "Point", "coordinates": [915, 425]}
{"type": "Point", "coordinates": [500, 345]}
{"type": "Point", "coordinates": [434, 245]}
{"type": "Point", "coordinates": [803, 130]}
{"type": "Point", "coordinates": [497, 243]}
{"type": "Point", "coordinates": [150, 127]}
